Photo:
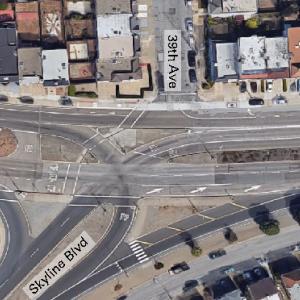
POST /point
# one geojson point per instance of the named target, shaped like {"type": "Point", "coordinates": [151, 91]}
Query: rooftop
{"type": "Point", "coordinates": [114, 25]}
{"type": "Point", "coordinates": [116, 47]}
{"type": "Point", "coordinates": [81, 50]}
{"type": "Point", "coordinates": [262, 289]}
{"type": "Point", "coordinates": [55, 66]}
{"type": "Point", "coordinates": [226, 59]}
{"type": "Point", "coordinates": [231, 6]}
{"type": "Point", "coordinates": [8, 55]}
{"type": "Point", "coordinates": [82, 71]}
{"type": "Point", "coordinates": [294, 50]}
{"type": "Point", "coordinates": [30, 61]}
{"type": "Point", "coordinates": [291, 278]}
{"type": "Point", "coordinates": [257, 53]}
{"type": "Point", "coordinates": [113, 7]}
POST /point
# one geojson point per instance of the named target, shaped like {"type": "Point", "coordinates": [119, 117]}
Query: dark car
{"type": "Point", "coordinates": [178, 268]}
{"type": "Point", "coordinates": [192, 75]}
{"type": "Point", "coordinates": [216, 254]}
{"type": "Point", "coordinates": [64, 100]}
{"type": "Point", "coordinates": [256, 101]}
{"type": "Point", "coordinates": [190, 284]}
{"type": "Point", "coordinates": [243, 86]}
{"type": "Point", "coordinates": [26, 99]}
{"type": "Point", "coordinates": [3, 98]}
{"type": "Point", "coordinates": [191, 58]}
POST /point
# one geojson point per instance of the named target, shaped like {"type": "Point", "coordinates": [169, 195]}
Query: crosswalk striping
{"type": "Point", "coordinates": [138, 251]}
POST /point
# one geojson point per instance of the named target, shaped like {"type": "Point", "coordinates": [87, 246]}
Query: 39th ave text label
{"type": "Point", "coordinates": [172, 60]}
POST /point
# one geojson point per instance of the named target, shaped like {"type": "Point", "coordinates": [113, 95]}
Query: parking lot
{"type": "Point", "coordinates": [174, 15]}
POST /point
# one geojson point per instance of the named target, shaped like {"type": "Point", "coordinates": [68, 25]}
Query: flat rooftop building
{"type": "Point", "coordinates": [226, 57]}
{"type": "Point", "coordinates": [262, 57]}
{"type": "Point", "coordinates": [8, 55]}
{"type": "Point", "coordinates": [104, 7]}
{"type": "Point", "coordinates": [55, 67]}
{"type": "Point", "coordinates": [113, 25]}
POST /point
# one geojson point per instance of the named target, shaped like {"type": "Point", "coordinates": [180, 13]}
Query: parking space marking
{"type": "Point", "coordinates": [239, 205]}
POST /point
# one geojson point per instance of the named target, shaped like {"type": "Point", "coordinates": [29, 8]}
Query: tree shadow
{"type": "Point", "coordinates": [188, 239]}
{"type": "Point", "coordinates": [260, 214]}
{"type": "Point", "coordinates": [294, 208]}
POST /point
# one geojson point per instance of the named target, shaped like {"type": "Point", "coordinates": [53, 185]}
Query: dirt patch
{"type": "Point", "coordinates": [59, 149]}
{"type": "Point", "coordinates": [197, 158]}
{"type": "Point", "coordinates": [155, 213]}
{"type": "Point", "coordinates": [258, 155]}
{"type": "Point", "coordinates": [8, 142]}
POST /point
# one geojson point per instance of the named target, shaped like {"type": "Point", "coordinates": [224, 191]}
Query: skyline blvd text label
{"type": "Point", "coordinates": [59, 266]}
{"type": "Point", "coordinates": [172, 60]}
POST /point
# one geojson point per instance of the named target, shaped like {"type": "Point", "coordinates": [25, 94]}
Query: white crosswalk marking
{"type": "Point", "coordinates": [138, 251]}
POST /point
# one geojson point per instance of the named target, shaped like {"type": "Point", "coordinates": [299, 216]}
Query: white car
{"type": "Point", "coordinates": [189, 25]}
{"type": "Point", "coordinates": [188, 2]}
{"type": "Point", "coordinates": [191, 40]}
{"type": "Point", "coordinates": [269, 85]}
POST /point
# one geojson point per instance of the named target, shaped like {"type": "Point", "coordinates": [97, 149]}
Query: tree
{"type": "Point", "coordinates": [158, 265]}
{"type": "Point", "coordinates": [118, 286]}
{"type": "Point", "coordinates": [270, 227]}
{"type": "Point", "coordinates": [196, 251]}
{"type": "Point", "coordinates": [230, 235]}
{"type": "Point", "coordinates": [252, 23]}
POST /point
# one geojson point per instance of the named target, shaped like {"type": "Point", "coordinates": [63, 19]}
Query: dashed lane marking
{"type": "Point", "coordinates": [239, 205]}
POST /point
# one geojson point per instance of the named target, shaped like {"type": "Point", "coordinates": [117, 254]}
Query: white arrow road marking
{"type": "Point", "coordinates": [154, 191]}
{"type": "Point", "coordinates": [253, 188]}
{"type": "Point", "coordinates": [200, 189]}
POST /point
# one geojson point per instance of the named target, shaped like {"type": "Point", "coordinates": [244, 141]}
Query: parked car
{"type": "Point", "coordinates": [253, 86]}
{"type": "Point", "coordinates": [216, 253]}
{"type": "Point", "coordinates": [191, 58]}
{"type": "Point", "coordinates": [65, 100]}
{"type": "Point", "coordinates": [298, 85]}
{"type": "Point", "coordinates": [3, 98]}
{"type": "Point", "coordinates": [256, 101]}
{"type": "Point", "coordinates": [191, 40]}
{"type": "Point", "coordinates": [188, 2]}
{"type": "Point", "coordinates": [190, 284]}
{"type": "Point", "coordinates": [269, 85]}
{"type": "Point", "coordinates": [228, 270]}
{"type": "Point", "coordinates": [189, 25]}
{"type": "Point", "coordinates": [280, 100]}
{"type": "Point", "coordinates": [26, 99]}
{"type": "Point", "coordinates": [178, 268]}
{"type": "Point", "coordinates": [192, 75]}
{"type": "Point", "coordinates": [243, 86]}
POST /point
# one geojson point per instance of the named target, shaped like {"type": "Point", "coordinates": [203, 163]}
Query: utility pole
{"type": "Point", "coordinates": [155, 280]}
{"type": "Point", "coordinates": [212, 157]}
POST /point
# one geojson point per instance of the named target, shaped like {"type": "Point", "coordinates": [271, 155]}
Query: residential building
{"type": "Point", "coordinates": [51, 21]}
{"type": "Point", "coordinates": [104, 7]}
{"type": "Point", "coordinates": [8, 55]}
{"type": "Point", "coordinates": [291, 282]}
{"type": "Point", "coordinates": [294, 51]}
{"type": "Point", "coordinates": [261, 57]}
{"type": "Point", "coordinates": [224, 65]}
{"type": "Point", "coordinates": [83, 71]}
{"type": "Point", "coordinates": [80, 29]}
{"type": "Point", "coordinates": [82, 50]}
{"type": "Point", "coordinates": [229, 8]}
{"type": "Point", "coordinates": [28, 22]}
{"type": "Point", "coordinates": [78, 7]}
{"type": "Point", "coordinates": [264, 289]}
{"type": "Point", "coordinates": [55, 67]}
{"type": "Point", "coordinates": [30, 65]}
{"type": "Point", "coordinates": [117, 57]}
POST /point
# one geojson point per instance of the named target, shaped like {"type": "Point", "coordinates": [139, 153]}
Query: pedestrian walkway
{"type": "Point", "coordinates": [139, 252]}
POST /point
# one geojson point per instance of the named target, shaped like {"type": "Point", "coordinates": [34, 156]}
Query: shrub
{"type": "Point", "coordinates": [196, 251]}
{"type": "Point", "coordinates": [230, 235]}
{"type": "Point", "coordinates": [158, 265]}
{"type": "Point", "coordinates": [252, 23]}
{"type": "Point", "coordinates": [118, 286]}
{"type": "Point", "coordinates": [284, 85]}
{"type": "Point", "coordinates": [3, 6]}
{"type": "Point", "coordinates": [270, 227]}
{"type": "Point", "coordinates": [71, 90]}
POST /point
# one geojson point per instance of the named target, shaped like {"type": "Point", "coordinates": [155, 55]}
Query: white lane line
{"type": "Point", "coordinates": [154, 191]}
{"type": "Point", "coordinates": [137, 119]}
{"type": "Point", "coordinates": [64, 222]}
{"type": "Point", "coordinates": [200, 189]}
{"type": "Point", "coordinates": [75, 184]}
{"type": "Point", "coordinates": [252, 188]}
{"type": "Point", "coordinates": [66, 177]}
{"type": "Point", "coordinates": [90, 138]}
{"type": "Point", "coordinates": [34, 252]}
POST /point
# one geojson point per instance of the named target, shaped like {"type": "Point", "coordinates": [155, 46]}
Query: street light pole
{"type": "Point", "coordinates": [155, 280]}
